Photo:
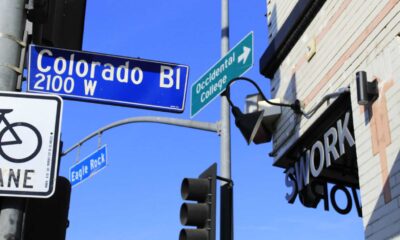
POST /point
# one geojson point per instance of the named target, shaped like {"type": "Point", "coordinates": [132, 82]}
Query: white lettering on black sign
{"type": "Point", "coordinates": [321, 152]}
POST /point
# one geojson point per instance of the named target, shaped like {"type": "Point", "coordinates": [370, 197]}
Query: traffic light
{"type": "Point", "coordinates": [58, 23]}
{"type": "Point", "coordinates": [48, 218]}
{"type": "Point", "coordinates": [201, 214]}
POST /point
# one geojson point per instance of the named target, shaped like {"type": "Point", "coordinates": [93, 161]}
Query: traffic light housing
{"type": "Point", "coordinates": [47, 218]}
{"type": "Point", "coordinates": [201, 213]}
{"type": "Point", "coordinates": [58, 23]}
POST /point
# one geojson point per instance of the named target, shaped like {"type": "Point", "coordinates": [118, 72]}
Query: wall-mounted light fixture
{"type": "Point", "coordinates": [251, 124]}
{"type": "Point", "coordinates": [367, 92]}
{"type": "Point", "coordinates": [271, 113]}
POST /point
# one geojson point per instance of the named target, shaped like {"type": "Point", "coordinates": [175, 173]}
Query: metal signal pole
{"type": "Point", "coordinates": [226, 226]}
{"type": "Point", "coordinates": [12, 26]}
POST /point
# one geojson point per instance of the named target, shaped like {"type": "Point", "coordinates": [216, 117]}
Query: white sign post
{"type": "Point", "coordinates": [29, 144]}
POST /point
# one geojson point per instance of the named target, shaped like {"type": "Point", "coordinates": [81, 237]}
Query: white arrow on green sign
{"type": "Point", "coordinates": [235, 63]}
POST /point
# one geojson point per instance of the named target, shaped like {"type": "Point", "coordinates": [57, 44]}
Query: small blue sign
{"type": "Point", "coordinates": [108, 79]}
{"type": "Point", "coordinates": [89, 166]}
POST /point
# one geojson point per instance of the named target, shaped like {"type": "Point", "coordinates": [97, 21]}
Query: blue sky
{"type": "Point", "coordinates": [138, 195]}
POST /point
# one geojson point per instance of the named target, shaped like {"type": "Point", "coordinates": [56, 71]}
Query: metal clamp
{"type": "Point", "coordinates": [22, 62]}
{"type": "Point", "coordinates": [14, 39]}
{"type": "Point", "coordinates": [18, 69]}
{"type": "Point", "coordinates": [229, 181]}
{"type": "Point", "coordinates": [14, 68]}
{"type": "Point", "coordinates": [99, 140]}
{"type": "Point", "coordinates": [78, 153]}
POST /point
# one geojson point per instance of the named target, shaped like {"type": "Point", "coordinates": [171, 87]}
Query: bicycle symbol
{"type": "Point", "coordinates": [24, 129]}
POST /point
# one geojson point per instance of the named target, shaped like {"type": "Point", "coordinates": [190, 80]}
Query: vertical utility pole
{"type": "Point", "coordinates": [12, 26]}
{"type": "Point", "coordinates": [226, 230]}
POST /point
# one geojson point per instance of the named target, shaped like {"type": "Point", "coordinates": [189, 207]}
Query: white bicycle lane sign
{"type": "Point", "coordinates": [29, 144]}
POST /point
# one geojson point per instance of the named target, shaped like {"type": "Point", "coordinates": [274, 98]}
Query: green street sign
{"type": "Point", "coordinates": [235, 63]}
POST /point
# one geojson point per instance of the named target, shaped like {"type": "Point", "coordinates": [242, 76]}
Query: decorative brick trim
{"type": "Point", "coordinates": [380, 135]}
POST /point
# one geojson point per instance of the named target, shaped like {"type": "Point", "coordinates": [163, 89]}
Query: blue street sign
{"type": "Point", "coordinates": [108, 79]}
{"type": "Point", "coordinates": [89, 166]}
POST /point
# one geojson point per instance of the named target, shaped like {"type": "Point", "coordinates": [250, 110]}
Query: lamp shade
{"type": "Point", "coordinates": [250, 125]}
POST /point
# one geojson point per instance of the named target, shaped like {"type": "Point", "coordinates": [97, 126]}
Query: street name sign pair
{"type": "Point", "coordinates": [133, 82]}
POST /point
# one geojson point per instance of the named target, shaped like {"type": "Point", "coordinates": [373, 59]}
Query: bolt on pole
{"type": "Point", "coordinates": [12, 26]}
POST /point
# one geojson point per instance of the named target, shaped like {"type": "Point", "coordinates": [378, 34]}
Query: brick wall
{"type": "Point", "coordinates": [350, 36]}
